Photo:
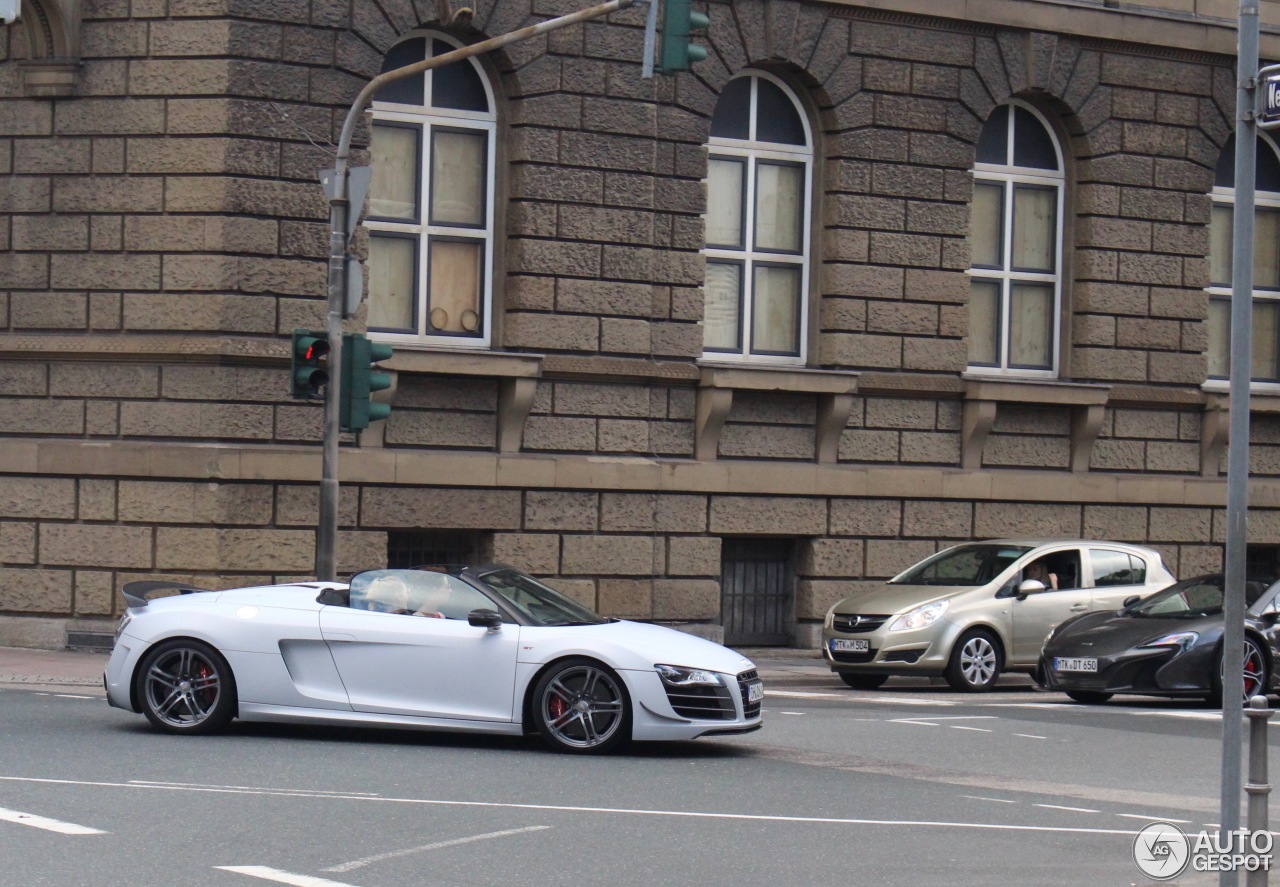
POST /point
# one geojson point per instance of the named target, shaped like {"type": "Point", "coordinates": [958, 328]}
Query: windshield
{"type": "Point", "coordinates": [536, 602]}
{"type": "Point", "coordinates": [963, 565]}
{"type": "Point", "coordinates": [1193, 598]}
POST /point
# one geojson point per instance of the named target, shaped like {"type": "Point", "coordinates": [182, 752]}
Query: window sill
{"type": "Point", "coordinates": [517, 376]}
{"type": "Point", "coordinates": [835, 392]}
{"type": "Point", "coordinates": [982, 397]}
{"type": "Point", "coordinates": [496, 364]}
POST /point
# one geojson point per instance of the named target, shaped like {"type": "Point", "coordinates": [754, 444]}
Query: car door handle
{"type": "Point", "coordinates": [1079, 608]}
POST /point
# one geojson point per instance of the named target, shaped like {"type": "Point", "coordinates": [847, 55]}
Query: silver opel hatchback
{"type": "Point", "coordinates": [971, 612]}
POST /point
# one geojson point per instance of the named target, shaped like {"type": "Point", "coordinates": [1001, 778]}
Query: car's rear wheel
{"type": "Point", "coordinates": [185, 686]}
{"type": "Point", "coordinates": [580, 706]}
{"type": "Point", "coordinates": [863, 681]}
{"type": "Point", "coordinates": [1254, 671]}
{"type": "Point", "coordinates": [1089, 697]}
{"type": "Point", "coordinates": [976, 662]}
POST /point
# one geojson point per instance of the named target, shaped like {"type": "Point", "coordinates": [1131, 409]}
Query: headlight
{"type": "Point", "coordinates": [919, 617]}
{"type": "Point", "coordinates": [677, 676]}
{"type": "Point", "coordinates": [124, 620]}
{"type": "Point", "coordinates": [1179, 639]}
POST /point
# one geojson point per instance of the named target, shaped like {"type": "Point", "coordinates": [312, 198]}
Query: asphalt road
{"type": "Point", "coordinates": [906, 785]}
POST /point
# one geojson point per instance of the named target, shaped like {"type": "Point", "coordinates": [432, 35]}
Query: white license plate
{"type": "Point", "coordinates": [850, 645]}
{"type": "Point", "coordinates": [1075, 664]}
{"type": "Point", "coordinates": [755, 692]}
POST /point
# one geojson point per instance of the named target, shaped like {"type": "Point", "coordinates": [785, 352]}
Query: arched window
{"type": "Point", "coordinates": [1265, 349]}
{"type": "Point", "coordinates": [1015, 235]}
{"type": "Point", "coordinates": [759, 184]}
{"type": "Point", "coordinates": [431, 201]}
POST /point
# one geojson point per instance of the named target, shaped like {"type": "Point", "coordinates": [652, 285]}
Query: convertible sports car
{"type": "Point", "coordinates": [1167, 645]}
{"type": "Point", "coordinates": [485, 649]}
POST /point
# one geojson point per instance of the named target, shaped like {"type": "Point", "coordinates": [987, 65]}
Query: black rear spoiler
{"type": "Point", "coordinates": [135, 593]}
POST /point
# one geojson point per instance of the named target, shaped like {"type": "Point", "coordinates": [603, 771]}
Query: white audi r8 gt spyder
{"type": "Point", "coordinates": [477, 648]}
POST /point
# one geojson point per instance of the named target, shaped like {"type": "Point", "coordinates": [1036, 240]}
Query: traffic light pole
{"type": "Point", "coordinates": [339, 210]}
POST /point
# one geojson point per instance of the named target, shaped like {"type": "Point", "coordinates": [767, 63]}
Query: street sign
{"type": "Point", "coordinates": [358, 180]}
{"type": "Point", "coordinates": [1269, 80]}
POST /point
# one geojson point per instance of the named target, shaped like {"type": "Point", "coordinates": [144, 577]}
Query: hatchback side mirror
{"type": "Point", "coordinates": [1131, 600]}
{"type": "Point", "coordinates": [485, 618]}
{"type": "Point", "coordinates": [1030, 586]}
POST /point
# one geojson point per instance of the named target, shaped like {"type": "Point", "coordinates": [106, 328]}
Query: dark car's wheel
{"type": "Point", "coordinates": [581, 706]}
{"type": "Point", "coordinates": [1255, 673]}
{"type": "Point", "coordinates": [863, 681]}
{"type": "Point", "coordinates": [976, 662]}
{"type": "Point", "coordinates": [1089, 697]}
{"type": "Point", "coordinates": [185, 686]}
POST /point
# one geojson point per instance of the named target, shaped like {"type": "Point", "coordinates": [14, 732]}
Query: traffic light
{"type": "Point", "coordinates": [678, 20]}
{"type": "Point", "coordinates": [360, 378]}
{"type": "Point", "coordinates": [308, 369]}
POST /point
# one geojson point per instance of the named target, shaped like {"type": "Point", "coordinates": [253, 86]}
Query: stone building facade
{"type": "Point", "coordinates": [610, 417]}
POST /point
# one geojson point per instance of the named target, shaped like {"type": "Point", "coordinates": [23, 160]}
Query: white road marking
{"type": "Point", "coordinates": [1149, 818]}
{"type": "Point", "coordinates": [798, 714]}
{"type": "Point", "coordinates": [249, 788]}
{"type": "Point", "coordinates": [355, 864]}
{"type": "Point", "coordinates": [963, 727]}
{"type": "Point", "coordinates": [994, 800]}
{"type": "Point", "coordinates": [270, 874]}
{"type": "Point", "coordinates": [620, 811]}
{"type": "Point", "coordinates": [1070, 809]}
{"type": "Point", "coordinates": [49, 825]}
{"type": "Point", "coordinates": [928, 721]}
{"type": "Point", "coordinates": [72, 696]}
{"type": "Point", "coordinates": [1029, 736]}
{"type": "Point", "coordinates": [800, 694]}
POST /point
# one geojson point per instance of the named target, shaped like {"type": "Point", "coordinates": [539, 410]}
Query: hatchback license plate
{"type": "Point", "coordinates": [847, 645]}
{"type": "Point", "coordinates": [1075, 665]}
{"type": "Point", "coordinates": [755, 692]}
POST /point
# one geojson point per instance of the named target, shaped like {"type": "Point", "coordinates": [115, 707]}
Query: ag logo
{"type": "Point", "coordinates": [1161, 851]}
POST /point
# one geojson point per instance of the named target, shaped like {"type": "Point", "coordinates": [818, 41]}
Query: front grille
{"type": "Point", "coordinates": [749, 709]}
{"type": "Point", "coordinates": [701, 702]}
{"type": "Point", "coordinates": [853, 624]}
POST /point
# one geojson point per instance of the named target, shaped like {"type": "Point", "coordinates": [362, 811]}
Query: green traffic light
{"type": "Point", "coordinates": [360, 378]}
{"type": "Point", "coordinates": [678, 21]}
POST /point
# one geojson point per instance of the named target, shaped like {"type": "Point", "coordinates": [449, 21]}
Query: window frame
{"type": "Point", "coordinates": [428, 119]}
{"type": "Point", "coordinates": [1222, 293]}
{"type": "Point", "coordinates": [1010, 178]}
{"type": "Point", "coordinates": [750, 153]}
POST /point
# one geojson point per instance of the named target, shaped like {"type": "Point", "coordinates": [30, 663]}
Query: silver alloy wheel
{"type": "Point", "coordinates": [978, 661]}
{"type": "Point", "coordinates": [182, 687]}
{"type": "Point", "coordinates": [582, 707]}
{"type": "Point", "coordinates": [1255, 671]}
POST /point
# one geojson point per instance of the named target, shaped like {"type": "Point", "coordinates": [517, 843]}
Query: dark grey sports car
{"type": "Point", "coordinates": [1169, 644]}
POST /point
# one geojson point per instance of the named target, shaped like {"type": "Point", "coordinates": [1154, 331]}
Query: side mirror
{"type": "Point", "coordinates": [1131, 600]}
{"type": "Point", "coordinates": [1030, 586]}
{"type": "Point", "coordinates": [485, 618]}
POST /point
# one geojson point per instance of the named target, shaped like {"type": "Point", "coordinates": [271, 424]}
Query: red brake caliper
{"type": "Point", "coordinates": [208, 693]}
{"type": "Point", "coordinates": [557, 707]}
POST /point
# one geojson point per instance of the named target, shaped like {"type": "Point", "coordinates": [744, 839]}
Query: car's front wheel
{"type": "Point", "coordinates": [975, 662]}
{"type": "Point", "coordinates": [863, 681]}
{"type": "Point", "coordinates": [185, 686]}
{"type": "Point", "coordinates": [1089, 697]}
{"type": "Point", "coordinates": [580, 706]}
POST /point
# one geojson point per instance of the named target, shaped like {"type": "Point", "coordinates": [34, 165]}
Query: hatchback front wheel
{"type": "Point", "coordinates": [976, 662]}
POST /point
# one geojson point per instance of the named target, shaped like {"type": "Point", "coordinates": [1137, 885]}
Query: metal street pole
{"type": "Point", "coordinates": [1238, 445]}
{"type": "Point", "coordinates": [339, 207]}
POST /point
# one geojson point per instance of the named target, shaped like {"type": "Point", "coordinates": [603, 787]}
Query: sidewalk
{"type": "Point", "coordinates": [63, 668]}
{"type": "Point", "coordinates": [18, 665]}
